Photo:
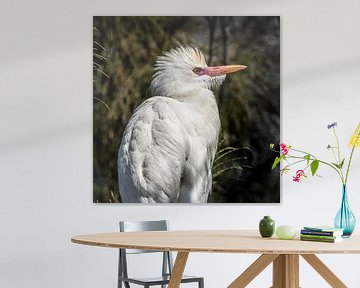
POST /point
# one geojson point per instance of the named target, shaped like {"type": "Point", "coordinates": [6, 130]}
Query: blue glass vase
{"type": "Point", "coordinates": [345, 219]}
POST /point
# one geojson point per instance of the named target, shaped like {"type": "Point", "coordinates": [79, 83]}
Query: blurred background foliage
{"type": "Point", "coordinates": [125, 50]}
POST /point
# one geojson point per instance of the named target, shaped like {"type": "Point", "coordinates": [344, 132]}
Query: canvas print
{"type": "Point", "coordinates": [184, 109]}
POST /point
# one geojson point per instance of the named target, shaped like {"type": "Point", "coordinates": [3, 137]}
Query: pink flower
{"type": "Point", "coordinates": [284, 149]}
{"type": "Point", "coordinates": [300, 174]}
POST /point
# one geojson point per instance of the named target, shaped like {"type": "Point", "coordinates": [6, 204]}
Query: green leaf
{"type": "Point", "coordinates": [307, 157]}
{"type": "Point", "coordinates": [339, 166]}
{"type": "Point", "coordinates": [277, 161]}
{"type": "Point", "coordinates": [336, 165]}
{"type": "Point", "coordinates": [314, 166]}
{"type": "Point", "coordinates": [272, 146]}
{"type": "Point", "coordinates": [342, 163]}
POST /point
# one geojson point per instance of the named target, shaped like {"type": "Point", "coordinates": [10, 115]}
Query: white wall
{"type": "Point", "coordinates": [46, 138]}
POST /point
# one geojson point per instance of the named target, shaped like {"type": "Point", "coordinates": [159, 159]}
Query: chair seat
{"type": "Point", "coordinates": [158, 280]}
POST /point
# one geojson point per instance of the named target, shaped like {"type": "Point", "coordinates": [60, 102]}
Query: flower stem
{"type": "Point", "coordinates": [348, 167]}
{"type": "Point", "coordinates": [339, 155]}
{"type": "Point", "coordinates": [300, 151]}
{"type": "Point", "coordinates": [337, 145]}
{"type": "Point", "coordinates": [323, 162]}
{"type": "Point", "coordinates": [351, 155]}
{"type": "Point", "coordinates": [296, 162]}
{"type": "Point", "coordinates": [333, 152]}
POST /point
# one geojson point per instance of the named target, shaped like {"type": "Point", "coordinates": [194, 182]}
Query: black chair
{"type": "Point", "coordinates": [167, 265]}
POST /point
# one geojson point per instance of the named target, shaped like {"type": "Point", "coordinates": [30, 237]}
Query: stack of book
{"type": "Point", "coordinates": [321, 234]}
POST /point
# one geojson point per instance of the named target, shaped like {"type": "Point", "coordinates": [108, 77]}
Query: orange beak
{"type": "Point", "coordinates": [223, 70]}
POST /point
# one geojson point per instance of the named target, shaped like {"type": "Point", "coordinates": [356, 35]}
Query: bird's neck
{"type": "Point", "coordinates": [200, 96]}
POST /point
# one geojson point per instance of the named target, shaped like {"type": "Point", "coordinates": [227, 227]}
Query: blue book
{"type": "Point", "coordinates": [322, 231]}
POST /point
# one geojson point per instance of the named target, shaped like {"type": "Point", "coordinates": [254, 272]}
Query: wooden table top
{"type": "Point", "coordinates": [219, 241]}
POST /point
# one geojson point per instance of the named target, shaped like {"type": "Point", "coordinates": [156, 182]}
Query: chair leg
{"type": "Point", "coordinates": [120, 273]}
{"type": "Point", "coordinates": [201, 283]}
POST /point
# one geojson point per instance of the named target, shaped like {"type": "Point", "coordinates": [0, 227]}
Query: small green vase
{"type": "Point", "coordinates": [266, 226]}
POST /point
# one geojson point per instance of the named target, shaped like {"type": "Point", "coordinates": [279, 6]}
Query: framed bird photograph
{"type": "Point", "coordinates": [184, 109]}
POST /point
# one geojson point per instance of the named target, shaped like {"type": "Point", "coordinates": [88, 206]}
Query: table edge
{"type": "Point", "coordinates": [205, 250]}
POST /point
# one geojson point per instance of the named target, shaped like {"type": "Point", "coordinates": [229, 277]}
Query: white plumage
{"type": "Point", "coordinates": [168, 147]}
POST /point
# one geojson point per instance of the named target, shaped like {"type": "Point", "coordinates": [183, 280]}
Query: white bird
{"type": "Point", "coordinates": [169, 144]}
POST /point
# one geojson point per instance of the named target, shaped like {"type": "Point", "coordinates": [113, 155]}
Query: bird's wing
{"type": "Point", "coordinates": [201, 123]}
{"type": "Point", "coordinates": [152, 155]}
{"type": "Point", "coordinates": [167, 150]}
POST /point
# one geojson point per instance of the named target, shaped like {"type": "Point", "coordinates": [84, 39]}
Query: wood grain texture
{"type": "Point", "coordinates": [286, 266]}
{"type": "Point", "coordinates": [279, 269]}
{"type": "Point", "coordinates": [253, 270]}
{"type": "Point", "coordinates": [324, 271]}
{"type": "Point", "coordinates": [293, 270]}
{"type": "Point", "coordinates": [178, 269]}
{"type": "Point", "coordinates": [222, 241]}
{"type": "Point", "coordinates": [286, 271]}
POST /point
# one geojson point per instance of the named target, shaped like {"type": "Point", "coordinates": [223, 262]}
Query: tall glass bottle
{"type": "Point", "coordinates": [345, 219]}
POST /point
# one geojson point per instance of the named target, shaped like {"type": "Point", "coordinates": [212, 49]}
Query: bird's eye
{"type": "Point", "coordinates": [199, 71]}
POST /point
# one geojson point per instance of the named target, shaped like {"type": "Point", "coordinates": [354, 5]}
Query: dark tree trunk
{"type": "Point", "coordinates": [211, 20]}
{"type": "Point", "coordinates": [224, 39]}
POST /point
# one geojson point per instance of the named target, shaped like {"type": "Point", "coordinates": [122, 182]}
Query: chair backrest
{"type": "Point", "coordinates": [133, 226]}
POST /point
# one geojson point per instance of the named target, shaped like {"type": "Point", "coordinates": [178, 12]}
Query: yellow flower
{"type": "Point", "coordinates": [355, 137]}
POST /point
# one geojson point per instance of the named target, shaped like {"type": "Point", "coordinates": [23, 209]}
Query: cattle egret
{"type": "Point", "coordinates": [169, 144]}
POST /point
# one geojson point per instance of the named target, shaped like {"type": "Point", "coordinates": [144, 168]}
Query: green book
{"type": "Point", "coordinates": [319, 236]}
{"type": "Point", "coordinates": [325, 240]}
